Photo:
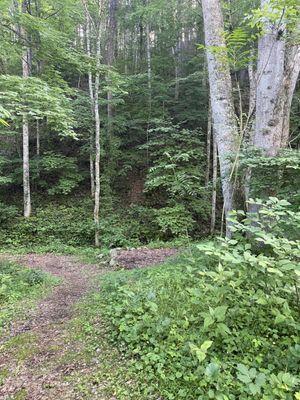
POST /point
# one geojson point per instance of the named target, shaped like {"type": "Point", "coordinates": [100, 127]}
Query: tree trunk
{"type": "Point", "coordinates": [97, 138]}
{"type": "Point", "coordinates": [214, 188]}
{"type": "Point", "coordinates": [149, 67]}
{"type": "Point", "coordinates": [224, 120]}
{"type": "Point", "coordinates": [176, 55]}
{"type": "Point", "coordinates": [208, 145]}
{"type": "Point", "coordinates": [112, 29]}
{"type": "Point", "coordinates": [111, 50]}
{"type": "Point", "coordinates": [277, 73]}
{"type": "Point", "coordinates": [90, 80]}
{"type": "Point", "coordinates": [25, 127]}
{"type": "Point", "coordinates": [38, 140]}
{"type": "Point", "coordinates": [149, 73]}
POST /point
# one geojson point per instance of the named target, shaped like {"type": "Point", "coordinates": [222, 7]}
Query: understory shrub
{"type": "Point", "coordinates": [72, 225]}
{"type": "Point", "coordinates": [222, 323]}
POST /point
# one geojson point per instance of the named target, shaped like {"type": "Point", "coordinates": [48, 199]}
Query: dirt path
{"type": "Point", "coordinates": [28, 357]}
{"type": "Point", "coordinates": [35, 357]}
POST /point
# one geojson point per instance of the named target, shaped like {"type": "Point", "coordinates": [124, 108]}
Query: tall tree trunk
{"type": "Point", "coordinates": [38, 139]}
{"type": "Point", "coordinates": [208, 145]}
{"type": "Point", "coordinates": [224, 120]}
{"type": "Point", "coordinates": [25, 128]}
{"type": "Point", "coordinates": [250, 119]}
{"type": "Point", "coordinates": [90, 81]}
{"type": "Point", "coordinates": [149, 73]}
{"type": "Point", "coordinates": [278, 68]}
{"type": "Point", "coordinates": [277, 72]}
{"type": "Point", "coordinates": [149, 67]}
{"type": "Point", "coordinates": [176, 50]}
{"type": "Point", "coordinates": [111, 47]}
{"type": "Point", "coordinates": [97, 134]}
{"type": "Point", "coordinates": [214, 187]}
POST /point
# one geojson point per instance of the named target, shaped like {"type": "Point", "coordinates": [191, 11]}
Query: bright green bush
{"type": "Point", "coordinates": [221, 324]}
{"type": "Point", "coordinates": [174, 221]}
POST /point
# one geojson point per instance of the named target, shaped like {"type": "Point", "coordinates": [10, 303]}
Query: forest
{"type": "Point", "coordinates": [149, 199]}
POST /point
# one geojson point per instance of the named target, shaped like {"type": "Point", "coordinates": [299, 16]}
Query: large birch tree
{"type": "Point", "coordinates": [277, 72]}
{"type": "Point", "coordinates": [224, 119]}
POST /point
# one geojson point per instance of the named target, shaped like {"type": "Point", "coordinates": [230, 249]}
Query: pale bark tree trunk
{"type": "Point", "coordinates": [38, 139]}
{"type": "Point", "coordinates": [175, 51]}
{"type": "Point", "coordinates": [26, 172]}
{"type": "Point", "coordinates": [112, 29]}
{"type": "Point", "coordinates": [277, 72]}
{"type": "Point", "coordinates": [90, 80]}
{"type": "Point", "coordinates": [149, 73]}
{"type": "Point", "coordinates": [214, 187]}
{"type": "Point", "coordinates": [149, 66]}
{"type": "Point", "coordinates": [208, 145]}
{"type": "Point", "coordinates": [224, 120]}
{"type": "Point", "coordinates": [97, 133]}
{"type": "Point", "coordinates": [94, 95]}
{"type": "Point", "coordinates": [252, 86]}
{"type": "Point", "coordinates": [249, 123]}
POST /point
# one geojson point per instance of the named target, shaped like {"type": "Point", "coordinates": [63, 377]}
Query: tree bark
{"type": "Point", "coordinates": [90, 81]}
{"type": "Point", "coordinates": [149, 67]}
{"type": "Point", "coordinates": [97, 133]}
{"type": "Point", "coordinates": [214, 188]}
{"type": "Point", "coordinates": [208, 145]}
{"type": "Point", "coordinates": [224, 120]}
{"type": "Point", "coordinates": [25, 128]}
{"type": "Point", "coordinates": [111, 47]}
{"type": "Point", "coordinates": [38, 139]}
{"type": "Point", "coordinates": [277, 72]}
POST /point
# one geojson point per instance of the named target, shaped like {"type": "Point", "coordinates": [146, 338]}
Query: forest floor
{"type": "Point", "coordinates": [38, 354]}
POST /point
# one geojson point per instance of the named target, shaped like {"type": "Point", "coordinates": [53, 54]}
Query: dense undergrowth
{"type": "Point", "coordinates": [17, 284]}
{"type": "Point", "coordinates": [221, 323]}
{"type": "Point", "coordinates": [54, 226]}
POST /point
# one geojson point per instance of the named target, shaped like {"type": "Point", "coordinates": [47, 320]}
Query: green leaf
{"type": "Point", "coordinates": [206, 345]}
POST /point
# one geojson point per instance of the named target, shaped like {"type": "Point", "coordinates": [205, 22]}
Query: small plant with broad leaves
{"type": "Point", "coordinates": [223, 321]}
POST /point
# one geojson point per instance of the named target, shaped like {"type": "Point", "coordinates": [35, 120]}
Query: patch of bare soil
{"type": "Point", "coordinates": [37, 376]}
{"type": "Point", "coordinates": [143, 257]}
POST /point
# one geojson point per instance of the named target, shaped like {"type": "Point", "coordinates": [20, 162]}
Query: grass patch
{"type": "Point", "coordinates": [109, 373]}
{"type": "Point", "coordinates": [17, 286]}
{"type": "Point", "coordinates": [89, 255]}
{"type": "Point", "coordinates": [22, 346]}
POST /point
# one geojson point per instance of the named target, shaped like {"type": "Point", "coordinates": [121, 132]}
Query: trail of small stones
{"type": "Point", "coordinates": [39, 376]}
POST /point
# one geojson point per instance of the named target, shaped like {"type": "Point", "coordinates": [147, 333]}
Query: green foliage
{"type": "Point", "coordinates": [280, 174]}
{"type": "Point", "coordinates": [176, 178]}
{"type": "Point", "coordinates": [3, 114]}
{"type": "Point", "coordinates": [71, 225]}
{"type": "Point", "coordinates": [14, 280]}
{"type": "Point", "coordinates": [18, 283]}
{"type": "Point", "coordinates": [278, 14]}
{"type": "Point", "coordinates": [7, 213]}
{"type": "Point", "coordinates": [54, 227]}
{"type": "Point", "coordinates": [36, 100]}
{"type": "Point", "coordinates": [174, 221]}
{"type": "Point", "coordinates": [55, 173]}
{"type": "Point", "coordinates": [220, 324]}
